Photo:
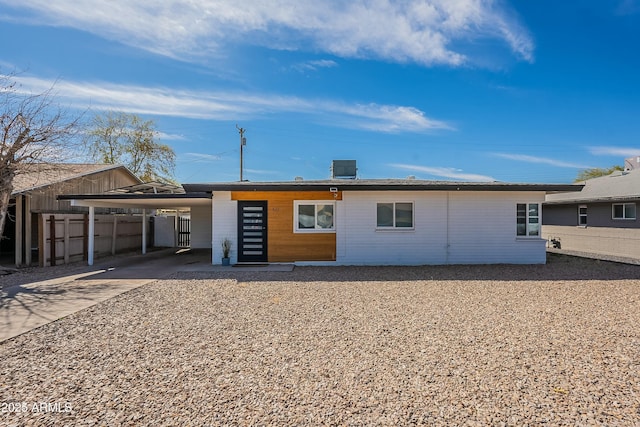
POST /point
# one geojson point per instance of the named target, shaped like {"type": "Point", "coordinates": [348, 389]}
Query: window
{"type": "Point", "coordinates": [624, 211]}
{"type": "Point", "coordinates": [314, 216]}
{"type": "Point", "coordinates": [528, 219]}
{"type": "Point", "coordinates": [582, 215]}
{"type": "Point", "coordinates": [394, 215]}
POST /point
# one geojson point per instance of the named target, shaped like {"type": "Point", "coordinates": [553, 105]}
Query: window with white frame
{"type": "Point", "coordinates": [314, 216]}
{"type": "Point", "coordinates": [582, 215]}
{"type": "Point", "coordinates": [528, 219]}
{"type": "Point", "coordinates": [623, 211]}
{"type": "Point", "coordinates": [394, 215]}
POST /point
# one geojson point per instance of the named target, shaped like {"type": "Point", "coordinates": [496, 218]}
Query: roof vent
{"type": "Point", "coordinates": [411, 177]}
{"type": "Point", "coordinates": [343, 169]}
{"type": "Point", "coordinates": [298, 178]}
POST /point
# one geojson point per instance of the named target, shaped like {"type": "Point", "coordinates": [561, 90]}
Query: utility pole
{"type": "Point", "coordinates": [243, 142]}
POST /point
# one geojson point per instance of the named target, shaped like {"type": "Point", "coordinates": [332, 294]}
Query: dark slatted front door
{"type": "Point", "coordinates": [252, 231]}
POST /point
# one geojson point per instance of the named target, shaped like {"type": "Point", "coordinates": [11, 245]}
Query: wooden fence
{"type": "Point", "coordinates": [63, 238]}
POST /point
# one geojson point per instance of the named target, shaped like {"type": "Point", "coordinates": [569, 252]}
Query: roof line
{"type": "Point", "coordinates": [362, 185]}
{"type": "Point", "coordinates": [106, 168]}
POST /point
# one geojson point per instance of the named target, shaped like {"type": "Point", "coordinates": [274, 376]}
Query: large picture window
{"type": "Point", "coordinates": [394, 215]}
{"type": "Point", "coordinates": [528, 219]}
{"type": "Point", "coordinates": [624, 211]}
{"type": "Point", "coordinates": [314, 216]}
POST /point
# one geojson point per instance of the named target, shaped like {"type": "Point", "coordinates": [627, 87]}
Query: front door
{"type": "Point", "coordinates": [252, 231]}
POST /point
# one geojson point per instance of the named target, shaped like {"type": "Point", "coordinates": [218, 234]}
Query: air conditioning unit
{"type": "Point", "coordinates": [343, 169]}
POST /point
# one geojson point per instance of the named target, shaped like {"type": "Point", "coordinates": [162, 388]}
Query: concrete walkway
{"type": "Point", "coordinates": [28, 306]}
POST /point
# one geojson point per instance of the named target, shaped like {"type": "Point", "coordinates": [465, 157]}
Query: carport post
{"type": "Point", "coordinates": [144, 231]}
{"type": "Point", "coordinates": [91, 233]}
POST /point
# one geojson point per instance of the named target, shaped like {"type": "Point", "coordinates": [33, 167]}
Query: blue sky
{"type": "Point", "coordinates": [461, 90]}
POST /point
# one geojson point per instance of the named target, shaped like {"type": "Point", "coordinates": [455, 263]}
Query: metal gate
{"type": "Point", "coordinates": [184, 232]}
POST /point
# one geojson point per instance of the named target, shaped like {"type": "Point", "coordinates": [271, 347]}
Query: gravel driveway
{"type": "Point", "coordinates": [472, 345]}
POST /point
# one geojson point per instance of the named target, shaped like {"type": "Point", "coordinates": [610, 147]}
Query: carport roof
{"type": "Point", "coordinates": [137, 200]}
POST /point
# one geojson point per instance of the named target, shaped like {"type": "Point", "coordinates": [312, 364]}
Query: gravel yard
{"type": "Point", "coordinates": [450, 345]}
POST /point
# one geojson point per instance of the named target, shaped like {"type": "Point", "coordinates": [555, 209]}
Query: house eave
{"type": "Point", "coordinates": [611, 199]}
{"type": "Point", "coordinates": [151, 201]}
{"type": "Point", "coordinates": [378, 185]}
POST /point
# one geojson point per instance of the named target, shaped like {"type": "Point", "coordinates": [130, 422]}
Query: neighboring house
{"type": "Point", "coordinates": [34, 201]}
{"type": "Point", "coordinates": [360, 222]}
{"type": "Point", "coordinates": [600, 219]}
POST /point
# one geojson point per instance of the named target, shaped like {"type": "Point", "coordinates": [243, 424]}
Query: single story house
{"type": "Point", "coordinates": [600, 219]}
{"type": "Point", "coordinates": [361, 221]}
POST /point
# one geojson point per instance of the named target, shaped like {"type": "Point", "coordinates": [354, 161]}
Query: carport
{"type": "Point", "coordinates": [146, 197]}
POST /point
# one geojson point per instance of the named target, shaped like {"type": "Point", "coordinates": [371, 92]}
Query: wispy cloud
{"type": "Point", "coordinates": [262, 171]}
{"type": "Point", "coordinates": [614, 151]}
{"type": "Point", "coordinates": [450, 173]}
{"type": "Point", "coordinates": [420, 31]}
{"type": "Point", "coordinates": [541, 160]}
{"type": "Point", "coordinates": [201, 157]}
{"type": "Point", "coordinates": [171, 136]}
{"type": "Point", "coordinates": [233, 105]}
{"type": "Point", "coordinates": [315, 65]}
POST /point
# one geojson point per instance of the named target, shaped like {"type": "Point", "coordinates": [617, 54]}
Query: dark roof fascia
{"type": "Point", "coordinates": [378, 186]}
{"type": "Point", "coordinates": [194, 195]}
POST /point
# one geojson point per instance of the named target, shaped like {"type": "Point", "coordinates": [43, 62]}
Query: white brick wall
{"type": "Point", "coordinates": [225, 223]}
{"type": "Point", "coordinates": [450, 228]}
{"type": "Point", "coordinates": [360, 243]}
{"type": "Point", "coordinates": [482, 229]}
{"type": "Point", "coordinates": [623, 242]}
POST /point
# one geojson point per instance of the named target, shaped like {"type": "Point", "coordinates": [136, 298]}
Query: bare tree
{"type": "Point", "coordinates": [33, 129]}
{"type": "Point", "coordinates": [116, 137]}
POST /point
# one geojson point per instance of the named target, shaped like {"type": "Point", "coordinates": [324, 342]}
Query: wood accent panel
{"type": "Point", "coordinates": [284, 244]}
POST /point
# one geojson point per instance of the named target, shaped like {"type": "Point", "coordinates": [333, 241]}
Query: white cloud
{"type": "Point", "coordinates": [171, 136]}
{"type": "Point", "coordinates": [201, 157]}
{"type": "Point", "coordinates": [262, 172]}
{"type": "Point", "coordinates": [386, 118]}
{"type": "Point", "coordinates": [451, 173]}
{"type": "Point", "coordinates": [315, 65]}
{"type": "Point", "coordinates": [541, 160]}
{"type": "Point", "coordinates": [232, 105]}
{"type": "Point", "coordinates": [614, 151]}
{"type": "Point", "coordinates": [420, 31]}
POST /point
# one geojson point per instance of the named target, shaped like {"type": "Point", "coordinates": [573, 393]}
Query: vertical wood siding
{"type": "Point", "coordinates": [44, 199]}
{"type": "Point", "coordinates": [283, 244]}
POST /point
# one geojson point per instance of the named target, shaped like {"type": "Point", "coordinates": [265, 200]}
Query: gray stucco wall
{"type": "Point", "coordinates": [598, 215]}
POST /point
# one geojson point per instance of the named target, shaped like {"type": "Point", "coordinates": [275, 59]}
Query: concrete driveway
{"type": "Point", "coordinates": [27, 306]}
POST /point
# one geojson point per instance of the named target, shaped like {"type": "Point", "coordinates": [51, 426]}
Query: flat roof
{"type": "Point", "coordinates": [376, 185]}
{"type": "Point", "coordinates": [137, 200]}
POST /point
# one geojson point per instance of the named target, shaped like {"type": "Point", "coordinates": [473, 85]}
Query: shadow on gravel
{"type": "Point", "coordinates": [558, 267]}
